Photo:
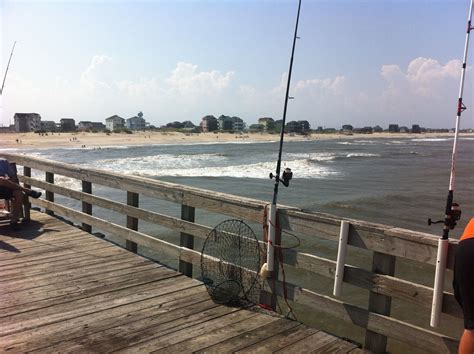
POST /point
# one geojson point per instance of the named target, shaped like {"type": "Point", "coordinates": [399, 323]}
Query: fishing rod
{"type": "Point", "coordinates": [452, 211]}
{"type": "Point", "coordinates": [287, 175]}
{"type": "Point", "coordinates": [6, 71]}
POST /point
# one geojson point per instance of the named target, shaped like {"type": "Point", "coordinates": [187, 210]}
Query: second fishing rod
{"type": "Point", "coordinates": [287, 175]}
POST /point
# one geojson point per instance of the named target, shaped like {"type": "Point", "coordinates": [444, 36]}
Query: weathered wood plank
{"type": "Point", "coordinates": [56, 290]}
{"type": "Point", "coordinates": [178, 334]}
{"type": "Point", "coordinates": [130, 333]}
{"type": "Point", "coordinates": [280, 341]}
{"type": "Point", "coordinates": [218, 335]}
{"type": "Point", "coordinates": [247, 339]}
{"type": "Point", "coordinates": [186, 240]}
{"type": "Point", "coordinates": [59, 276]}
{"type": "Point", "coordinates": [86, 306]}
{"type": "Point", "coordinates": [105, 286]}
{"type": "Point", "coordinates": [314, 343]}
{"type": "Point", "coordinates": [48, 335]}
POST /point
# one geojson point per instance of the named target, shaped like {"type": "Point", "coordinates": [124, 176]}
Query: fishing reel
{"type": "Point", "coordinates": [453, 217]}
{"type": "Point", "coordinates": [285, 177]}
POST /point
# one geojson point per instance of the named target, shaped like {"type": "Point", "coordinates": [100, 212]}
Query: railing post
{"type": "Point", "coordinates": [132, 223]}
{"type": "Point", "coordinates": [86, 207]}
{"type": "Point", "coordinates": [186, 240]}
{"type": "Point", "coordinates": [381, 304]}
{"type": "Point", "coordinates": [50, 195]}
{"type": "Point", "coordinates": [267, 298]}
{"type": "Point", "coordinates": [27, 204]}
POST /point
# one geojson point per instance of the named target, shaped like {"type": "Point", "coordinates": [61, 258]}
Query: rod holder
{"type": "Point", "coordinates": [341, 257]}
{"type": "Point", "coordinates": [441, 259]}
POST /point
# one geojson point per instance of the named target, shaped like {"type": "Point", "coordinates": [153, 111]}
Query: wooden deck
{"type": "Point", "coordinates": [64, 290]}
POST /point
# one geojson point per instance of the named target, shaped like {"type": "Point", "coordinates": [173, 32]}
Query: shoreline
{"type": "Point", "coordinates": [25, 141]}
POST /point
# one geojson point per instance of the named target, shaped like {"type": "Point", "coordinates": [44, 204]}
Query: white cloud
{"type": "Point", "coordinates": [97, 74]}
{"type": "Point", "coordinates": [185, 79]}
{"type": "Point", "coordinates": [424, 77]}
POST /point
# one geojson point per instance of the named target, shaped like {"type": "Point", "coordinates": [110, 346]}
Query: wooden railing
{"type": "Point", "coordinates": [388, 245]}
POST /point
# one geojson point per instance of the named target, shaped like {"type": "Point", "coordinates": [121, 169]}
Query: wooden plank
{"type": "Point", "coordinates": [45, 251]}
{"type": "Point", "coordinates": [249, 338]}
{"type": "Point", "coordinates": [280, 340]}
{"type": "Point", "coordinates": [381, 304]}
{"type": "Point", "coordinates": [158, 339]}
{"type": "Point", "coordinates": [218, 335]}
{"type": "Point", "coordinates": [86, 207]}
{"type": "Point", "coordinates": [101, 320]}
{"type": "Point", "coordinates": [186, 240]}
{"type": "Point", "coordinates": [64, 288]}
{"type": "Point", "coordinates": [41, 317]}
{"type": "Point", "coordinates": [314, 343]}
{"type": "Point", "coordinates": [55, 263]}
{"type": "Point", "coordinates": [60, 275]}
{"type": "Point", "coordinates": [105, 285]}
{"type": "Point", "coordinates": [132, 223]}
{"type": "Point", "coordinates": [160, 323]}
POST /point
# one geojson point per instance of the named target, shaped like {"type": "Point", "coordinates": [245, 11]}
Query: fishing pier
{"type": "Point", "coordinates": [64, 289]}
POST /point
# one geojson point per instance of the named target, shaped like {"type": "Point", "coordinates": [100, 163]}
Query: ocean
{"type": "Point", "coordinates": [392, 181]}
{"type": "Point", "coordinates": [399, 182]}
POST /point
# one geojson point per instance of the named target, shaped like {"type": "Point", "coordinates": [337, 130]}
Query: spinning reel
{"type": "Point", "coordinates": [285, 177]}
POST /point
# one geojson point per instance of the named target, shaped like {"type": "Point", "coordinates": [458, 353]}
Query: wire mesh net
{"type": "Point", "coordinates": [230, 262]}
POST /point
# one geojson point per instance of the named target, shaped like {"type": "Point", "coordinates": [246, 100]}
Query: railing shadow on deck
{"type": "Point", "coordinates": [387, 246]}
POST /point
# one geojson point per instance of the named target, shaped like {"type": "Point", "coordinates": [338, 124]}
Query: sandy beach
{"type": "Point", "coordinates": [101, 140]}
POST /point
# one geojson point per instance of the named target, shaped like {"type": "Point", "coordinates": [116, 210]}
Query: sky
{"type": "Point", "coordinates": [365, 63]}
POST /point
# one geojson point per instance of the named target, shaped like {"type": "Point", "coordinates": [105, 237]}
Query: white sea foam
{"type": "Point", "coordinates": [361, 154]}
{"type": "Point", "coordinates": [432, 139]}
{"type": "Point", "coordinates": [199, 166]}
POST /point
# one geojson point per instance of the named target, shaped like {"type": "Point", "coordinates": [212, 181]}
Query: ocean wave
{"type": "Point", "coordinates": [432, 139]}
{"type": "Point", "coordinates": [155, 162]}
{"type": "Point", "coordinates": [261, 170]}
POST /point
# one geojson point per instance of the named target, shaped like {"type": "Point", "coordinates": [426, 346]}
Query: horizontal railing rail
{"type": "Point", "coordinates": [387, 244]}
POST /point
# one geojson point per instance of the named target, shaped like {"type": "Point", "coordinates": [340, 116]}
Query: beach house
{"type": "Point", "coordinates": [67, 124]}
{"type": "Point", "coordinates": [27, 122]}
{"type": "Point", "coordinates": [208, 124]}
{"type": "Point", "coordinates": [115, 122]}
{"type": "Point", "coordinates": [137, 122]}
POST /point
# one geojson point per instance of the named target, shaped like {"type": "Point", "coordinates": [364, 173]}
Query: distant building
{"type": "Point", "coordinates": [403, 129]}
{"type": "Point", "coordinates": [268, 124]}
{"type": "Point", "coordinates": [256, 128]}
{"type": "Point", "coordinates": [114, 122]}
{"type": "Point", "coordinates": [87, 125]}
{"type": "Point", "coordinates": [187, 124]}
{"type": "Point", "coordinates": [237, 124]}
{"type": "Point", "coordinates": [48, 126]}
{"type": "Point", "coordinates": [415, 129]}
{"type": "Point", "coordinates": [378, 129]}
{"type": "Point", "coordinates": [347, 127]}
{"type": "Point", "coordinates": [300, 127]}
{"type": "Point", "coordinates": [136, 123]}
{"type": "Point", "coordinates": [208, 124]}
{"type": "Point", "coordinates": [226, 123]}
{"type": "Point", "coordinates": [393, 128]}
{"type": "Point", "coordinates": [27, 122]}
{"type": "Point", "coordinates": [67, 125]}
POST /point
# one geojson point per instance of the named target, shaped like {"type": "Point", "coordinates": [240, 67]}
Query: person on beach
{"type": "Point", "coordinates": [11, 189]}
{"type": "Point", "coordinates": [463, 284]}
